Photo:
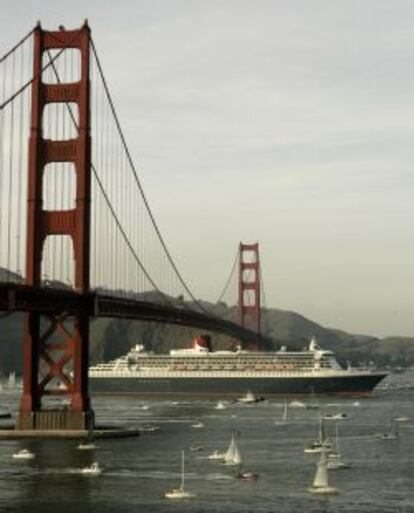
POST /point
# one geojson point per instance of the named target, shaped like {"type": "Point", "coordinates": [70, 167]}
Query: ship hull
{"type": "Point", "coordinates": [233, 387]}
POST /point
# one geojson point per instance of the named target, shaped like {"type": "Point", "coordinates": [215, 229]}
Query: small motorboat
{"type": "Point", "coordinates": [216, 455]}
{"type": "Point", "coordinates": [149, 428]}
{"type": "Point", "coordinates": [317, 447]}
{"type": "Point", "coordinates": [297, 404]}
{"type": "Point", "coordinates": [197, 425]}
{"type": "Point", "coordinates": [250, 398]}
{"type": "Point", "coordinates": [335, 416]}
{"type": "Point", "coordinates": [23, 454]}
{"type": "Point", "coordinates": [92, 470]}
{"type": "Point", "coordinates": [247, 476]}
{"type": "Point", "coordinates": [196, 448]}
{"type": "Point", "coordinates": [337, 464]}
{"type": "Point", "coordinates": [86, 446]}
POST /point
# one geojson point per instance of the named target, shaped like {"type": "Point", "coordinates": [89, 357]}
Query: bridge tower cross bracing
{"type": "Point", "coordinates": [249, 288]}
{"type": "Point", "coordinates": [55, 358]}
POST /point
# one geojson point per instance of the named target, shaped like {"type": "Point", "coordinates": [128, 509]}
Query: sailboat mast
{"type": "Point", "coordinates": [322, 436]}
{"type": "Point", "coordinates": [182, 469]}
{"type": "Point", "coordinates": [337, 437]}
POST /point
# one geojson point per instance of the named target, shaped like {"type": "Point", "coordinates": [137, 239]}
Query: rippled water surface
{"type": "Point", "coordinates": [138, 471]}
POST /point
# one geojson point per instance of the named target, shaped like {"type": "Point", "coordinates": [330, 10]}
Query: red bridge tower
{"type": "Point", "coordinates": [249, 288]}
{"type": "Point", "coordinates": [55, 359]}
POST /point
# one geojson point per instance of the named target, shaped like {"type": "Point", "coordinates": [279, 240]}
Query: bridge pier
{"type": "Point", "coordinates": [56, 344]}
{"type": "Point", "coordinates": [54, 420]}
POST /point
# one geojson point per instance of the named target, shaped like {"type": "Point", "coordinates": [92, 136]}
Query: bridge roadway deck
{"type": "Point", "coordinates": [46, 300]}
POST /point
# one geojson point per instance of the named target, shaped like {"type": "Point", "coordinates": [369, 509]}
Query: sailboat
{"type": "Point", "coordinates": [313, 403]}
{"type": "Point", "coordinates": [320, 483]}
{"type": "Point", "coordinates": [322, 442]}
{"type": "Point", "coordinates": [232, 456]}
{"type": "Point", "coordinates": [285, 412]}
{"type": "Point", "coordinates": [12, 379]}
{"type": "Point", "coordinates": [392, 433]}
{"type": "Point", "coordinates": [335, 461]}
{"type": "Point", "coordinates": [180, 493]}
{"type": "Point", "coordinates": [88, 444]}
{"type": "Point", "coordinates": [284, 415]}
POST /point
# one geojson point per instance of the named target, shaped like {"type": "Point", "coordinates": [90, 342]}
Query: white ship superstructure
{"type": "Point", "coordinates": [269, 372]}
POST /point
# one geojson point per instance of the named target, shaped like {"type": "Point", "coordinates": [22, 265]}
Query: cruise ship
{"type": "Point", "coordinates": [199, 371]}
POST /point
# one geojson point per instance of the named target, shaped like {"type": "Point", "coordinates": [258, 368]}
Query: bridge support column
{"type": "Point", "coordinates": [56, 344]}
{"type": "Point", "coordinates": [249, 289]}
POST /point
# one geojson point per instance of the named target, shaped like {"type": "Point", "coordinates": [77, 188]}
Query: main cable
{"type": "Point", "coordinates": [38, 75]}
{"type": "Point", "coordinates": [17, 46]}
{"type": "Point", "coordinates": [114, 215]}
{"type": "Point", "coordinates": [137, 180]}
{"type": "Point", "coordinates": [226, 286]}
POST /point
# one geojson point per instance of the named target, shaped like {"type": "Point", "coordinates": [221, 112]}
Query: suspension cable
{"type": "Point", "coordinates": [121, 134]}
{"type": "Point", "coordinates": [226, 286]}
{"type": "Point", "coordinates": [16, 46]}
{"type": "Point", "coordinates": [262, 285]}
{"type": "Point", "coordinates": [108, 202]}
{"type": "Point", "coordinates": [39, 74]}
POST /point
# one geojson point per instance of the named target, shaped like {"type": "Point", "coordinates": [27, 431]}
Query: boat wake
{"type": "Point", "coordinates": [218, 477]}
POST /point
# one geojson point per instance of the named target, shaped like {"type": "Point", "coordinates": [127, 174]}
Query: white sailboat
{"type": "Point", "coordinates": [180, 493]}
{"type": "Point", "coordinates": [12, 379]}
{"type": "Point", "coordinates": [335, 461]}
{"type": "Point", "coordinates": [313, 403]}
{"type": "Point", "coordinates": [285, 412]}
{"type": "Point", "coordinates": [320, 483]}
{"type": "Point", "coordinates": [284, 415]}
{"type": "Point", "coordinates": [220, 406]}
{"type": "Point", "coordinates": [233, 456]}
{"type": "Point", "coordinates": [322, 442]}
{"type": "Point", "coordinates": [89, 443]}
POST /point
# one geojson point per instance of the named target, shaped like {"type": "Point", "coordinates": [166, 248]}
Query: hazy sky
{"type": "Point", "coordinates": [290, 123]}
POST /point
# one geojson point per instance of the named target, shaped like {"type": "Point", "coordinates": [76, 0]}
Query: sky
{"type": "Point", "coordinates": [287, 123]}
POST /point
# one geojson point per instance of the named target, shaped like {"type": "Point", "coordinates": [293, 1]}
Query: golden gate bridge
{"type": "Point", "coordinates": [78, 239]}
